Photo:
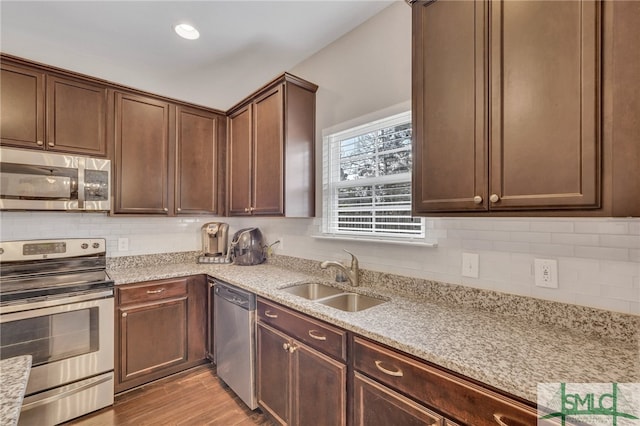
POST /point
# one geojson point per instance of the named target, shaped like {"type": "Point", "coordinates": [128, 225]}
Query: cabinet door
{"type": "Point", "coordinates": [268, 153]}
{"type": "Point", "coordinates": [240, 170]}
{"type": "Point", "coordinates": [319, 388]}
{"type": "Point", "coordinates": [76, 116]}
{"type": "Point", "coordinates": [449, 145]}
{"type": "Point", "coordinates": [152, 337]}
{"type": "Point", "coordinates": [21, 107]}
{"type": "Point", "coordinates": [545, 79]}
{"type": "Point", "coordinates": [142, 153]}
{"type": "Point", "coordinates": [196, 162]}
{"type": "Point", "coordinates": [375, 404]}
{"type": "Point", "coordinates": [274, 388]}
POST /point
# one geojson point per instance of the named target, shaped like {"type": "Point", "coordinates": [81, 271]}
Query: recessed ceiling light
{"type": "Point", "coordinates": [186, 31]}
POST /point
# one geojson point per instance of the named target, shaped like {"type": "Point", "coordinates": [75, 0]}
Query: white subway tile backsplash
{"type": "Point", "coordinates": [628, 241]}
{"type": "Point", "coordinates": [575, 239]}
{"type": "Point", "coordinates": [477, 245]}
{"type": "Point", "coordinates": [621, 293]}
{"type": "Point", "coordinates": [512, 247]}
{"type": "Point", "coordinates": [602, 253]}
{"type": "Point", "coordinates": [598, 258]}
{"type": "Point", "coordinates": [530, 237]}
{"type": "Point", "coordinates": [552, 226]}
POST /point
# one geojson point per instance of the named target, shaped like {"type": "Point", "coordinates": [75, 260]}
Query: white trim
{"type": "Point", "coordinates": [359, 239]}
{"type": "Point", "coordinates": [332, 138]}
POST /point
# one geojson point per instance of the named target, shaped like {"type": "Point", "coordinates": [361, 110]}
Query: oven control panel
{"type": "Point", "coordinates": [16, 251]}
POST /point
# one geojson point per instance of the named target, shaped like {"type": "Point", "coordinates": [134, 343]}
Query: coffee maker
{"type": "Point", "coordinates": [215, 243]}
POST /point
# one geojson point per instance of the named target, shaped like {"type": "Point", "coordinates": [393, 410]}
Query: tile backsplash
{"type": "Point", "coordinates": [598, 259]}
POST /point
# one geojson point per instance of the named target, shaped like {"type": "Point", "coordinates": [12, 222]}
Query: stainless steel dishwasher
{"type": "Point", "coordinates": [235, 333]}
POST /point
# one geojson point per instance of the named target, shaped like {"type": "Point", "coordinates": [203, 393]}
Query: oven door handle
{"type": "Point", "coordinates": [25, 310]}
{"type": "Point", "coordinates": [63, 392]}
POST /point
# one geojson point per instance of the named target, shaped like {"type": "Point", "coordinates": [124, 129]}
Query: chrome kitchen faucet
{"type": "Point", "coordinates": [352, 273]}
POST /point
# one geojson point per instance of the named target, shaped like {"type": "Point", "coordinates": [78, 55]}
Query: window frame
{"type": "Point", "coordinates": [331, 161]}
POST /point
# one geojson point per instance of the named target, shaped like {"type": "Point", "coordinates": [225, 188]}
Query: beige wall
{"type": "Point", "coordinates": [365, 71]}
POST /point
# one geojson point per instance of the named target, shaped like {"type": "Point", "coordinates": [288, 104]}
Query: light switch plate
{"type": "Point", "coordinates": [123, 244]}
{"type": "Point", "coordinates": [470, 265]}
{"type": "Point", "coordinates": [546, 272]}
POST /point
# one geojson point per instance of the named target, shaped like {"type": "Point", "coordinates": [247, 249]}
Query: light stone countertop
{"type": "Point", "coordinates": [508, 353]}
{"type": "Point", "coordinates": [15, 375]}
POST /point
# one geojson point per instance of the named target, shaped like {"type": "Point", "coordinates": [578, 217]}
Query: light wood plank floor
{"type": "Point", "coordinates": [190, 398]}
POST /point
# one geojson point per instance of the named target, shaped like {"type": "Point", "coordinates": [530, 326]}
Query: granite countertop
{"type": "Point", "coordinates": [508, 353]}
{"type": "Point", "coordinates": [15, 375]}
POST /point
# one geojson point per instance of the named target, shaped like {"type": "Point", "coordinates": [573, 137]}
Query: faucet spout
{"type": "Point", "coordinates": [352, 272]}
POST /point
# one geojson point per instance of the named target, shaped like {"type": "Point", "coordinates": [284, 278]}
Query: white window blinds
{"type": "Point", "coordinates": [367, 180]}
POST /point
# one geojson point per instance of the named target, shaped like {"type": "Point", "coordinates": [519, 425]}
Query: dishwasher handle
{"type": "Point", "coordinates": [241, 298]}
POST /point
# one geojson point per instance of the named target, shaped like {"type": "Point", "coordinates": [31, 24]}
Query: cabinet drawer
{"type": "Point", "coordinates": [462, 400]}
{"type": "Point", "coordinates": [152, 290]}
{"type": "Point", "coordinates": [317, 334]}
{"type": "Point", "coordinates": [375, 404]}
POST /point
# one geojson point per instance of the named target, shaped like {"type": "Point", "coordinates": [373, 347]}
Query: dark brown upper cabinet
{"type": "Point", "coordinates": [198, 167]}
{"type": "Point", "coordinates": [509, 107]}
{"type": "Point", "coordinates": [167, 157]}
{"type": "Point", "coordinates": [46, 111]}
{"type": "Point", "coordinates": [143, 127]}
{"type": "Point", "coordinates": [271, 151]}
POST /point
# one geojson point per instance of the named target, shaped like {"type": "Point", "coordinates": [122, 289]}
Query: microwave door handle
{"type": "Point", "coordinates": [81, 181]}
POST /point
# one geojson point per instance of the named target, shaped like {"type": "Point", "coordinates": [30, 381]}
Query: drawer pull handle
{"type": "Point", "coordinates": [396, 373]}
{"type": "Point", "coordinates": [313, 335]}
{"type": "Point", "coordinates": [160, 290]}
{"type": "Point", "coordinates": [503, 420]}
{"type": "Point", "coordinates": [268, 314]}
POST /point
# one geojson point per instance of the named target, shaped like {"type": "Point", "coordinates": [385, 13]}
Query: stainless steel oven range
{"type": "Point", "coordinates": [56, 304]}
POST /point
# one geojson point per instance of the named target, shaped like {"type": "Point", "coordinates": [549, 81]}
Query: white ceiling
{"type": "Point", "coordinates": [243, 44]}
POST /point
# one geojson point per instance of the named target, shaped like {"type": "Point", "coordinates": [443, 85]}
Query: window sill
{"type": "Point", "coordinates": [358, 239]}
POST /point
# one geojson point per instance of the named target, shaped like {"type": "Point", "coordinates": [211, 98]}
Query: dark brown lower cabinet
{"type": "Point", "coordinates": [160, 329]}
{"type": "Point", "coordinates": [297, 384]}
{"type": "Point", "coordinates": [375, 404]}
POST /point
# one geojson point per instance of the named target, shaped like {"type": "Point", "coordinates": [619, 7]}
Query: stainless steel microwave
{"type": "Point", "coordinates": [40, 180]}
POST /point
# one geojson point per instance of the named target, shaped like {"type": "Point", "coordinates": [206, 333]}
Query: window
{"type": "Point", "coordinates": [367, 181]}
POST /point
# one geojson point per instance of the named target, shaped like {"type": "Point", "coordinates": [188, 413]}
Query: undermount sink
{"type": "Point", "coordinates": [313, 291]}
{"type": "Point", "coordinates": [334, 297]}
{"type": "Point", "coordinates": [351, 302]}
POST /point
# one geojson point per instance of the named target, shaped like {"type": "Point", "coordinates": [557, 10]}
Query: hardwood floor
{"type": "Point", "coordinates": [193, 397]}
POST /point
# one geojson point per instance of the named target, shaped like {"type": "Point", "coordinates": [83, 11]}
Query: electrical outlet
{"type": "Point", "coordinates": [470, 262]}
{"type": "Point", "coordinates": [546, 273]}
{"type": "Point", "coordinates": [123, 244]}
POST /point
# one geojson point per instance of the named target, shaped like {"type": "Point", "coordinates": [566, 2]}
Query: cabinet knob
{"type": "Point", "coordinates": [166, 209]}
{"type": "Point", "coordinates": [292, 348]}
{"type": "Point", "coordinates": [39, 143]}
{"type": "Point", "coordinates": [51, 144]}
{"type": "Point", "coordinates": [251, 209]}
{"type": "Point", "coordinates": [124, 315]}
{"type": "Point", "coordinates": [494, 198]}
{"type": "Point", "coordinates": [286, 346]}
{"type": "Point", "coordinates": [179, 209]}
{"type": "Point", "coordinates": [477, 199]}
{"type": "Point", "coordinates": [247, 210]}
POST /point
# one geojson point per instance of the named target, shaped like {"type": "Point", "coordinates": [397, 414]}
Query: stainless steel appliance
{"type": "Point", "coordinates": [235, 333]}
{"type": "Point", "coordinates": [248, 247]}
{"type": "Point", "coordinates": [56, 304]}
{"type": "Point", "coordinates": [215, 243]}
{"type": "Point", "coordinates": [38, 180]}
